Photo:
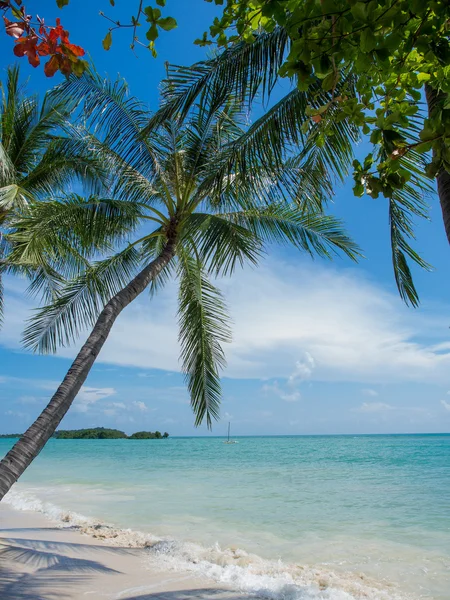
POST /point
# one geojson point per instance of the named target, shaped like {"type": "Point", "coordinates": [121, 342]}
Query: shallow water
{"type": "Point", "coordinates": [330, 508]}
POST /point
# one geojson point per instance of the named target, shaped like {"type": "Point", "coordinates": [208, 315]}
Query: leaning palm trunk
{"type": "Point", "coordinates": [36, 436]}
{"type": "Point", "coordinates": [443, 177]}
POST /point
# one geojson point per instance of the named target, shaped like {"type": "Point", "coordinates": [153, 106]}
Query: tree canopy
{"type": "Point", "coordinates": [393, 48]}
{"type": "Point", "coordinates": [102, 433]}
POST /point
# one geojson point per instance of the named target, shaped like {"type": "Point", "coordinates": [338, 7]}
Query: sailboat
{"type": "Point", "coordinates": [228, 441]}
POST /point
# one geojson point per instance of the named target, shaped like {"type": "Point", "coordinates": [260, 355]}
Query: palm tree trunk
{"type": "Point", "coordinates": [35, 438]}
{"type": "Point", "coordinates": [434, 98]}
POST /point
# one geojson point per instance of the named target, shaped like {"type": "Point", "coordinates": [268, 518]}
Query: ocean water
{"type": "Point", "coordinates": [285, 518]}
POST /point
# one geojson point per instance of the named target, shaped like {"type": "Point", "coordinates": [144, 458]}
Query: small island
{"type": "Point", "coordinates": [99, 433]}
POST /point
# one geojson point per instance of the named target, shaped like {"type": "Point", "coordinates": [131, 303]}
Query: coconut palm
{"type": "Point", "coordinates": [40, 155]}
{"type": "Point", "coordinates": [250, 71]}
{"type": "Point", "coordinates": [190, 209]}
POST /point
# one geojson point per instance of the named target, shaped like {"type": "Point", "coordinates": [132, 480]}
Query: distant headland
{"type": "Point", "coordinates": [100, 433]}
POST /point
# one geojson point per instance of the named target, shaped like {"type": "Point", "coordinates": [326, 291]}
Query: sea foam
{"type": "Point", "coordinates": [234, 567]}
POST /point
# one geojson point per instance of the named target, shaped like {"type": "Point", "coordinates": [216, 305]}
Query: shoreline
{"type": "Point", "coordinates": [39, 560]}
{"type": "Point", "coordinates": [47, 553]}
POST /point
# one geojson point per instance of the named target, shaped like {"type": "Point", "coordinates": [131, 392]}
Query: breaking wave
{"type": "Point", "coordinates": [234, 567]}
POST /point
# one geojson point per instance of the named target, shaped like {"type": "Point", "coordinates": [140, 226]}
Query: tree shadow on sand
{"type": "Point", "coordinates": [30, 569]}
{"type": "Point", "coordinates": [50, 570]}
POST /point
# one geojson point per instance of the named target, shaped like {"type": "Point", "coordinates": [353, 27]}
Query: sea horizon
{"type": "Point", "coordinates": [278, 435]}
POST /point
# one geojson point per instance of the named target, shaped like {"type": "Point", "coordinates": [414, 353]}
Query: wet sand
{"type": "Point", "coordinates": [41, 561]}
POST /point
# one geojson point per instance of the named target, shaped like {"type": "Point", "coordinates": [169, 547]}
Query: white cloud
{"type": "Point", "coordinates": [354, 329]}
{"type": "Point", "coordinates": [291, 397]}
{"type": "Point", "coordinates": [370, 407]}
{"type": "Point", "coordinates": [446, 405]}
{"type": "Point", "coordinates": [303, 369]}
{"type": "Point", "coordinates": [90, 395]}
{"type": "Point", "coordinates": [282, 392]}
{"type": "Point", "coordinates": [118, 405]}
{"type": "Point", "coordinates": [140, 405]}
{"type": "Point", "coordinates": [370, 392]}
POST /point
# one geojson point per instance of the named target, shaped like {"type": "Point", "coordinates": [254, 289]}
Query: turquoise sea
{"type": "Point", "coordinates": [294, 518]}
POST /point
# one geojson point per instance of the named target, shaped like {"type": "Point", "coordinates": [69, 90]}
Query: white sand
{"type": "Point", "coordinates": [41, 561]}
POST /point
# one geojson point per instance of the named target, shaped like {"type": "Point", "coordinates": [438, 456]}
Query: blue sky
{"type": "Point", "coordinates": [319, 347]}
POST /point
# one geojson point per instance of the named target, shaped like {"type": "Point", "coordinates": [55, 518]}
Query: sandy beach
{"type": "Point", "coordinates": [40, 561]}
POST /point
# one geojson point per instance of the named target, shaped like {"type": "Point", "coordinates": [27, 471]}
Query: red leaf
{"type": "Point", "coordinates": [52, 65]}
{"type": "Point", "coordinates": [73, 49]}
{"type": "Point", "coordinates": [27, 47]}
{"type": "Point", "coordinates": [13, 29]}
{"type": "Point", "coordinates": [44, 49]}
{"type": "Point", "coordinates": [54, 33]}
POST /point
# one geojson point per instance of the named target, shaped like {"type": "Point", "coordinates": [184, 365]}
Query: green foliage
{"type": "Point", "coordinates": [96, 433]}
{"type": "Point", "coordinates": [324, 123]}
{"type": "Point", "coordinates": [395, 50]}
{"type": "Point", "coordinates": [41, 154]}
{"type": "Point", "coordinates": [101, 433]}
{"type": "Point", "coordinates": [148, 435]}
{"type": "Point", "coordinates": [148, 16]}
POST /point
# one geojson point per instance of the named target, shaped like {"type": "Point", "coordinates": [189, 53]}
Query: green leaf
{"type": "Point", "coordinates": [329, 81]}
{"type": "Point", "coordinates": [423, 77]}
{"type": "Point", "coordinates": [359, 11]}
{"type": "Point", "coordinates": [368, 40]}
{"type": "Point", "coordinates": [107, 41]}
{"type": "Point", "coordinates": [358, 190]}
{"type": "Point", "coordinates": [148, 10]}
{"type": "Point", "coordinates": [152, 33]}
{"type": "Point", "coordinates": [161, 2]}
{"type": "Point", "coordinates": [62, 3]}
{"type": "Point", "coordinates": [167, 23]}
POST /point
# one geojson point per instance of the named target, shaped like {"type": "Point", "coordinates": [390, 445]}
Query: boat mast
{"type": "Point", "coordinates": [228, 431]}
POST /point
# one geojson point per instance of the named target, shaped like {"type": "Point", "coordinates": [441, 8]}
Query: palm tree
{"type": "Point", "coordinates": [250, 71]}
{"type": "Point", "coordinates": [190, 208]}
{"type": "Point", "coordinates": [435, 101]}
{"type": "Point", "coordinates": [40, 155]}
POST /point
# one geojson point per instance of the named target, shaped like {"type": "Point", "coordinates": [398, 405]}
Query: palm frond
{"type": "Point", "coordinates": [87, 225]}
{"type": "Point", "coordinates": [203, 322]}
{"type": "Point", "coordinates": [264, 149]}
{"type": "Point", "coordinates": [285, 224]}
{"type": "Point", "coordinates": [7, 171]}
{"type": "Point", "coordinates": [112, 116]}
{"type": "Point", "coordinates": [10, 95]}
{"type": "Point", "coordinates": [241, 70]}
{"type": "Point", "coordinates": [43, 125]}
{"type": "Point", "coordinates": [403, 205]}
{"type": "Point", "coordinates": [221, 243]}
{"type": "Point", "coordinates": [79, 303]}
{"type": "Point", "coordinates": [67, 161]}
